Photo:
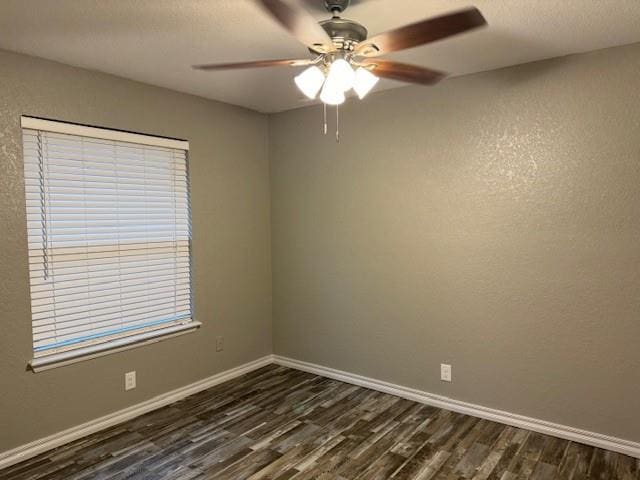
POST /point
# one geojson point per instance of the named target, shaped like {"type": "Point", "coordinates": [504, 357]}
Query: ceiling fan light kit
{"type": "Point", "coordinates": [345, 58]}
{"type": "Point", "coordinates": [332, 94]}
{"type": "Point", "coordinates": [364, 82]}
{"type": "Point", "coordinates": [335, 77]}
{"type": "Point", "coordinates": [310, 81]}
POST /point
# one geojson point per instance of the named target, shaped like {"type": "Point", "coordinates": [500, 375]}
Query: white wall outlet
{"type": "Point", "coordinates": [130, 380]}
{"type": "Point", "coordinates": [219, 344]}
{"type": "Point", "coordinates": [445, 372]}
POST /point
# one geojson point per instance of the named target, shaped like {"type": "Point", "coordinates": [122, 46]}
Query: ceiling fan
{"type": "Point", "coordinates": [344, 58]}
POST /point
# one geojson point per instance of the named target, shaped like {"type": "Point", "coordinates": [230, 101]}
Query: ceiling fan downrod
{"type": "Point", "coordinates": [336, 7]}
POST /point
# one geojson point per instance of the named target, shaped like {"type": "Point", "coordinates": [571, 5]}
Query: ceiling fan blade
{"type": "Point", "coordinates": [299, 24]}
{"type": "Point", "coordinates": [404, 72]}
{"type": "Point", "coordinates": [254, 64]}
{"type": "Point", "coordinates": [422, 32]}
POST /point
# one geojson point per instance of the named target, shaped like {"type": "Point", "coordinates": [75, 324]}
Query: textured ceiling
{"type": "Point", "coordinates": [156, 41]}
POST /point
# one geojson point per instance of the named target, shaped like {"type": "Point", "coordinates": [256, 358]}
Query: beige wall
{"type": "Point", "coordinates": [231, 252]}
{"type": "Point", "coordinates": [491, 222]}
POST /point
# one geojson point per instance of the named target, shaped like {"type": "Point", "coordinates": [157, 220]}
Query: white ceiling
{"type": "Point", "coordinates": [156, 41]}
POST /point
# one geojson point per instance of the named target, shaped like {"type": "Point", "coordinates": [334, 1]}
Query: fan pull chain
{"type": "Point", "coordinates": [337, 124]}
{"type": "Point", "coordinates": [324, 121]}
{"type": "Point", "coordinates": [324, 108]}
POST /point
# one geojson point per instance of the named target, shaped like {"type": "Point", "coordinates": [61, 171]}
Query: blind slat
{"type": "Point", "coordinates": [39, 293]}
{"type": "Point", "coordinates": [111, 314]}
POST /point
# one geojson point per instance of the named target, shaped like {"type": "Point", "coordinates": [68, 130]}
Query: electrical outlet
{"type": "Point", "coordinates": [219, 344]}
{"type": "Point", "coordinates": [445, 372]}
{"type": "Point", "coordinates": [130, 380]}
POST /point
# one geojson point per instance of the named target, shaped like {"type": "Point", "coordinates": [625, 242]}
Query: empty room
{"type": "Point", "coordinates": [320, 239]}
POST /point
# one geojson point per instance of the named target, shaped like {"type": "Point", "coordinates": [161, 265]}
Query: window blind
{"type": "Point", "coordinates": [109, 236]}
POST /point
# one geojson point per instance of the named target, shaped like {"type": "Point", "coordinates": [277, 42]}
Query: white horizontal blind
{"type": "Point", "coordinates": [109, 239]}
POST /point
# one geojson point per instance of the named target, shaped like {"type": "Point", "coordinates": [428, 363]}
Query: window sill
{"type": "Point", "coordinates": [94, 351]}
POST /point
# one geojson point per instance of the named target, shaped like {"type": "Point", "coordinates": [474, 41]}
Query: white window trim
{"type": "Point", "coordinates": [126, 343]}
{"type": "Point", "coordinates": [94, 351]}
{"type": "Point", "coordinates": [103, 133]}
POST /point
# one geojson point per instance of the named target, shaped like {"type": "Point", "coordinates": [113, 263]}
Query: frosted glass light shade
{"type": "Point", "coordinates": [364, 82]}
{"type": "Point", "coordinates": [332, 94]}
{"type": "Point", "coordinates": [341, 74]}
{"type": "Point", "coordinates": [310, 81]}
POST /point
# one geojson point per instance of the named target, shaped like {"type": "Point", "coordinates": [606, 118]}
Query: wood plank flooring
{"type": "Point", "coordinates": [282, 424]}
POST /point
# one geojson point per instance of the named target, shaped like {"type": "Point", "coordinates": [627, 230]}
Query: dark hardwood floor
{"type": "Point", "coordinates": [279, 423]}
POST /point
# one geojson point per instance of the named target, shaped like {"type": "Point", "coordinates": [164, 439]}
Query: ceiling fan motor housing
{"type": "Point", "coordinates": [344, 33]}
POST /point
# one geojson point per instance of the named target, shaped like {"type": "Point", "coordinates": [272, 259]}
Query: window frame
{"type": "Point", "coordinates": [88, 351]}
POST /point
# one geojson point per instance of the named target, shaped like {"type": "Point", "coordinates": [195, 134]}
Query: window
{"type": "Point", "coordinates": [109, 234]}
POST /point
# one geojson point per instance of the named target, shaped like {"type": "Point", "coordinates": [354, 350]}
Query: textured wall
{"type": "Point", "coordinates": [231, 252]}
{"type": "Point", "coordinates": [491, 222]}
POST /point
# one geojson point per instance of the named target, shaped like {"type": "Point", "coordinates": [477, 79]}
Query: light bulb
{"type": "Point", "coordinates": [341, 74]}
{"type": "Point", "coordinates": [310, 81]}
{"type": "Point", "coordinates": [332, 94]}
{"type": "Point", "coordinates": [364, 82]}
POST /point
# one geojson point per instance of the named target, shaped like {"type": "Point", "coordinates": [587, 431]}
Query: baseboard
{"type": "Point", "coordinates": [620, 445]}
{"type": "Point", "coordinates": [36, 447]}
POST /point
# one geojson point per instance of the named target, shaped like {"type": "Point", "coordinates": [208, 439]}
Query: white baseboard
{"type": "Point", "coordinates": [36, 447]}
{"type": "Point", "coordinates": [620, 445]}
